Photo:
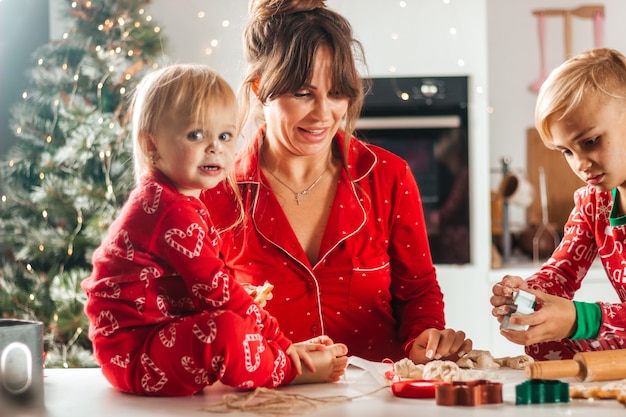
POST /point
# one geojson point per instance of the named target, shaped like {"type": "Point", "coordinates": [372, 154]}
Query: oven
{"type": "Point", "coordinates": [425, 121]}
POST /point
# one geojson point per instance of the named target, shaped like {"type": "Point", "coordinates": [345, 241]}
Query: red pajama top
{"type": "Point", "coordinates": [374, 287]}
{"type": "Point", "coordinates": [589, 233]}
{"type": "Point", "coordinates": [160, 262]}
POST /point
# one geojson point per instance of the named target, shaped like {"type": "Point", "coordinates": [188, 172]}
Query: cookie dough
{"type": "Point", "coordinates": [483, 359]}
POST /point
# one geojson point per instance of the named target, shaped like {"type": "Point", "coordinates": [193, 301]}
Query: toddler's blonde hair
{"type": "Point", "coordinates": [187, 92]}
{"type": "Point", "coordinates": [181, 91]}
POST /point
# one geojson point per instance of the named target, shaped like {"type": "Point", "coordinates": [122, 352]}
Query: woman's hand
{"type": "Point", "coordinates": [444, 344]}
{"type": "Point", "coordinates": [502, 296]}
{"type": "Point", "coordinates": [555, 320]}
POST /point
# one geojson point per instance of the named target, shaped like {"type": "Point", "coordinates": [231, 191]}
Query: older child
{"type": "Point", "coordinates": [580, 112]}
{"type": "Point", "coordinates": [166, 317]}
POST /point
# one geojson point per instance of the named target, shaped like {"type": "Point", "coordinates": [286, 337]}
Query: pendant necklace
{"type": "Point", "coordinates": [299, 194]}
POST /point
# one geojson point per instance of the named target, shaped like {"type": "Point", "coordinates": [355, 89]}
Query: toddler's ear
{"type": "Point", "coordinates": [255, 87]}
{"type": "Point", "coordinates": [147, 141]}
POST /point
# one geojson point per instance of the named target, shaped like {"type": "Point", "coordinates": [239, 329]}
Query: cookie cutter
{"type": "Point", "coordinates": [471, 393]}
{"type": "Point", "coordinates": [523, 304]}
{"type": "Point", "coordinates": [542, 391]}
{"type": "Point", "coordinates": [415, 388]}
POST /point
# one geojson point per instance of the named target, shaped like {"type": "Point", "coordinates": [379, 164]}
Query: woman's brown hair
{"type": "Point", "coordinates": [280, 42]}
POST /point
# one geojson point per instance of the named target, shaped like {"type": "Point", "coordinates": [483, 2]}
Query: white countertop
{"type": "Point", "coordinates": [85, 392]}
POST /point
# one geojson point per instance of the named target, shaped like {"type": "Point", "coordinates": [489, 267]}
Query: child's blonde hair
{"type": "Point", "coordinates": [596, 71]}
{"type": "Point", "coordinates": [187, 92]}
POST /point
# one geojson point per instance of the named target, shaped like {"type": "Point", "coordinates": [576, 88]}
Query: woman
{"type": "Point", "coordinates": [334, 224]}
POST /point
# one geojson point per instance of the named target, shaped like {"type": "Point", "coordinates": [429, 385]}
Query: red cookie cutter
{"type": "Point", "coordinates": [470, 393]}
{"type": "Point", "coordinates": [415, 388]}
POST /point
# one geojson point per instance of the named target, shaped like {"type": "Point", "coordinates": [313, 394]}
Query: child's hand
{"type": "Point", "coordinates": [555, 320]}
{"type": "Point", "coordinates": [326, 363]}
{"type": "Point", "coordinates": [261, 293]}
{"type": "Point", "coordinates": [503, 294]}
{"type": "Point", "coordinates": [445, 344]}
{"type": "Point", "coordinates": [319, 340]}
{"type": "Point", "coordinates": [298, 352]}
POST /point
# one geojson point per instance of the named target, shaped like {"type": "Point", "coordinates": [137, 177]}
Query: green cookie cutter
{"type": "Point", "coordinates": [541, 391]}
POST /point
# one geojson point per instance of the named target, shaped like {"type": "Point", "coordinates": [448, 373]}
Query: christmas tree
{"type": "Point", "coordinates": [70, 171]}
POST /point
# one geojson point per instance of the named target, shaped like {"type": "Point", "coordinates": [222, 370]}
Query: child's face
{"type": "Point", "coordinates": [196, 157]}
{"type": "Point", "coordinates": [593, 141]}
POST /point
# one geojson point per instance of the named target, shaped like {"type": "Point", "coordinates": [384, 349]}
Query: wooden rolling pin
{"type": "Point", "coordinates": [585, 366]}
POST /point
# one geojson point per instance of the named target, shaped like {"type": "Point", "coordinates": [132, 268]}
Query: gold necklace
{"type": "Point", "coordinates": [298, 194]}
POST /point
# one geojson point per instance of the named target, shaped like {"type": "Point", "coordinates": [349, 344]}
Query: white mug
{"type": "Point", "coordinates": [21, 363]}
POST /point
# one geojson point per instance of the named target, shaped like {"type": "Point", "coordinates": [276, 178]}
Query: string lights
{"type": "Point", "coordinates": [69, 172]}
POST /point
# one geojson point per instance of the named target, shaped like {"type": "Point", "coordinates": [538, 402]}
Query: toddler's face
{"type": "Point", "coordinates": [196, 156]}
{"type": "Point", "coordinates": [593, 141]}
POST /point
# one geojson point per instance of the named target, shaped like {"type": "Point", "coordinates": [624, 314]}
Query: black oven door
{"type": "Point", "coordinates": [431, 135]}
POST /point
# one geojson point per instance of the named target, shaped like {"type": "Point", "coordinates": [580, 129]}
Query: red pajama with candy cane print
{"type": "Point", "coordinates": [166, 317]}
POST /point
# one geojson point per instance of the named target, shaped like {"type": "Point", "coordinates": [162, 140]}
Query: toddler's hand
{"type": "Point", "coordinates": [261, 293]}
{"type": "Point", "coordinates": [299, 352]}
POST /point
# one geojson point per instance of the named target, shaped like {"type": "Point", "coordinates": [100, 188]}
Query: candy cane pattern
{"type": "Point", "coordinates": [253, 309]}
{"type": "Point", "coordinates": [150, 207]}
{"type": "Point", "coordinates": [121, 362]}
{"type": "Point", "coordinates": [152, 371]}
{"type": "Point", "coordinates": [149, 273]}
{"type": "Point", "coordinates": [140, 304]}
{"type": "Point", "coordinates": [167, 304]}
{"type": "Point", "coordinates": [203, 216]}
{"type": "Point", "coordinates": [146, 275]}
{"type": "Point", "coordinates": [107, 323]}
{"type": "Point", "coordinates": [167, 336]}
{"type": "Point", "coordinates": [122, 241]}
{"type": "Point", "coordinates": [109, 294]}
{"type": "Point", "coordinates": [217, 365]}
{"type": "Point", "coordinates": [203, 337]}
{"type": "Point", "coordinates": [255, 339]}
{"type": "Point", "coordinates": [196, 246]}
{"type": "Point", "coordinates": [204, 292]}
{"type": "Point", "coordinates": [215, 236]}
{"type": "Point", "coordinates": [278, 375]}
{"type": "Point", "coordinates": [246, 385]}
{"type": "Point", "coordinates": [163, 302]}
{"type": "Point", "coordinates": [201, 376]}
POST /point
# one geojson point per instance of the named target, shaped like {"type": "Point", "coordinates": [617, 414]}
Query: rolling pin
{"type": "Point", "coordinates": [585, 366]}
